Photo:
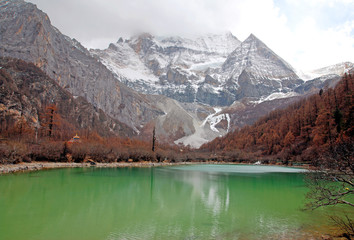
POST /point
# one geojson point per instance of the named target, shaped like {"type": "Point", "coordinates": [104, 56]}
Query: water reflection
{"type": "Point", "coordinates": [248, 200]}
{"type": "Point", "coordinates": [155, 203]}
{"type": "Point", "coordinates": [213, 193]}
{"type": "Point", "coordinates": [209, 194]}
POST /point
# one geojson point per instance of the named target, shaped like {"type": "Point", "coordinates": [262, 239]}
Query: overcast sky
{"type": "Point", "coordinates": [306, 33]}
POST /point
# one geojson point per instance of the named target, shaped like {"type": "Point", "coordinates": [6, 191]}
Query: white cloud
{"type": "Point", "coordinates": [323, 47]}
{"type": "Point", "coordinates": [303, 32]}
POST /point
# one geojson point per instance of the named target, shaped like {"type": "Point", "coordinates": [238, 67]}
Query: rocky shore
{"type": "Point", "coordinates": [35, 166]}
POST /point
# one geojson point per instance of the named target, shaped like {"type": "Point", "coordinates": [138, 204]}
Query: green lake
{"type": "Point", "coordinates": [178, 202]}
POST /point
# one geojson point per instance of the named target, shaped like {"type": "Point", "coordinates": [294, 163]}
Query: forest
{"type": "Point", "coordinates": [301, 133]}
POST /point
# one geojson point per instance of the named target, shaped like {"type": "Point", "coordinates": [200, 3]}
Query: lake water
{"type": "Point", "coordinates": [179, 202]}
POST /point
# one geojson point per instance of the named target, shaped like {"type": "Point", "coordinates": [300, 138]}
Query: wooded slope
{"type": "Point", "coordinates": [300, 132]}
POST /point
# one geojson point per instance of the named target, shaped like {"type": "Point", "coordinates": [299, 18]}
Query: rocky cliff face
{"type": "Point", "coordinates": [26, 33]}
{"type": "Point", "coordinates": [26, 91]}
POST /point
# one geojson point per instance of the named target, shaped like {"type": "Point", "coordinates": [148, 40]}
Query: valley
{"type": "Point", "coordinates": [172, 83]}
{"type": "Point", "coordinates": [201, 135]}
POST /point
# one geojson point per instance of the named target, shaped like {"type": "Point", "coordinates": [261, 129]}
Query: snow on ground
{"type": "Point", "coordinates": [215, 119]}
{"type": "Point", "coordinates": [222, 44]}
{"type": "Point", "coordinates": [277, 95]}
{"type": "Point", "coordinates": [121, 59]}
{"type": "Point", "coordinates": [205, 132]}
{"type": "Point", "coordinates": [212, 63]}
{"type": "Point", "coordinates": [208, 118]}
{"type": "Point", "coordinates": [134, 75]}
{"type": "Point", "coordinates": [197, 139]}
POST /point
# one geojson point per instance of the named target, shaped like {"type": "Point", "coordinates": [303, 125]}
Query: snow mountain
{"type": "Point", "coordinates": [254, 70]}
{"type": "Point", "coordinates": [211, 69]}
{"type": "Point", "coordinates": [191, 89]}
{"type": "Point", "coordinates": [172, 66]}
{"type": "Point", "coordinates": [337, 69]}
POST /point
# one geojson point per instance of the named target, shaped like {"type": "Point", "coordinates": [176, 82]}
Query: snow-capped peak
{"type": "Point", "coordinates": [204, 68]}
{"type": "Point", "coordinates": [338, 69]}
{"type": "Point", "coordinates": [258, 60]}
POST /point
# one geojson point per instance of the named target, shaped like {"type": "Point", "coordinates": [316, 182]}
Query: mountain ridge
{"type": "Point", "coordinates": [27, 34]}
{"type": "Point", "coordinates": [171, 66]}
{"type": "Point", "coordinates": [187, 70]}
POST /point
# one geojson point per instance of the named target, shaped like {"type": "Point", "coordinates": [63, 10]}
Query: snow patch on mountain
{"type": "Point", "coordinates": [260, 61]}
{"type": "Point", "coordinates": [124, 62]}
{"type": "Point", "coordinates": [338, 69]}
{"type": "Point", "coordinates": [207, 130]}
{"type": "Point", "coordinates": [212, 63]}
{"type": "Point", "coordinates": [215, 118]}
{"type": "Point", "coordinates": [221, 44]}
{"type": "Point", "coordinates": [277, 95]}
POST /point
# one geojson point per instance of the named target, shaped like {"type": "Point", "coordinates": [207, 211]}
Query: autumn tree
{"type": "Point", "coordinates": [22, 127]}
{"type": "Point", "coordinates": [50, 120]}
{"type": "Point", "coordinates": [301, 131]}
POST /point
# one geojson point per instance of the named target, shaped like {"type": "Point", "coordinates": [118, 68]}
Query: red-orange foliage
{"type": "Point", "coordinates": [300, 131]}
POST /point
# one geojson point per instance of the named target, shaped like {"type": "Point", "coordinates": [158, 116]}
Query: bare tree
{"type": "Point", "coordinates": [153, 140]}
{"type": "Point", "coordinates": [332, 183]}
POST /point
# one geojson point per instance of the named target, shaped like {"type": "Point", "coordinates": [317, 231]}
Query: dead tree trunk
{"type": "Point", "coordinates": [153, 140]}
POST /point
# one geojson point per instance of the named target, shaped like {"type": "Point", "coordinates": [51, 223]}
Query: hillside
{"type": "Point", "coordinates": [298, 133]}
{"type": "Point", "coordinates": [27, 92]}
{"type": "Point", "coordinates": [27, 34]}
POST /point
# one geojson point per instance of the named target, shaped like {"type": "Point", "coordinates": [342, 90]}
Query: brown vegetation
{"type": "Point", "coordinates": [94, 148]}
{"type": "Point", "coordinates": [299, 133]}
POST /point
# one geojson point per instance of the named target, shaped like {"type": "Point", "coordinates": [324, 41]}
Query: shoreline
{"type": "Point", "coordinates": [37, 166]}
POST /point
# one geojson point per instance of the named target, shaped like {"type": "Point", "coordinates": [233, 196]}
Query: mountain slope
{"type": "Point", "coordinates": [26, 33]}
{"type": "Point", "coordinates": [299, 132]}
{"type": "Point", "coordinates": [26, 91]}
{"type": "Point", "coordinates": [254, 70]}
